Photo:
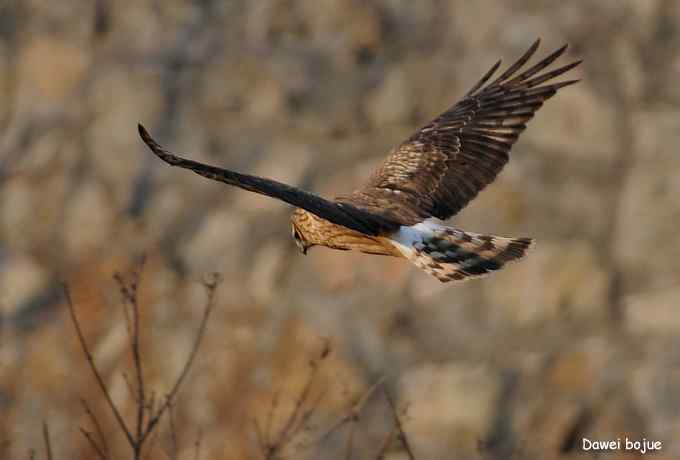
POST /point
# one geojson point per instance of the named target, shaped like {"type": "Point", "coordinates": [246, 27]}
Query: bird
{"type": "Point", "coordinates": [428, 178]}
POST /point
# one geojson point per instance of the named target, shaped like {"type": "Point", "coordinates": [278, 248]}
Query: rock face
{"type": "Point", "coordinates": [578, 340]}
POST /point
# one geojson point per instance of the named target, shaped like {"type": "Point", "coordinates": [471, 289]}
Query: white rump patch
{"type": "Point", "coordinates": [408, 236]}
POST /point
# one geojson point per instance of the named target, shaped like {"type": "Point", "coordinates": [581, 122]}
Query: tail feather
{"type": "Point", "coordinates": [451, 254]}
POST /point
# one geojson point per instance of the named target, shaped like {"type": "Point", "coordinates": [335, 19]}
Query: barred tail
{"type": "Point", "coordinates": [454, 255]}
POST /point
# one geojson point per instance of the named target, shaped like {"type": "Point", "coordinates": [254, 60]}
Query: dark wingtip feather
{"type": "Point", "coordinates": [562, 84]}
{"type": "Point", "coordinates": [519, 64]}
{"type": "Point", "coordinates": [144, 134]}
{"type": "Point", "coordinates": [542, 64]}
{"type": "Point", "coordinates": [486, 77]}
{"type": "Point", "coordinates": [560, 51]}
{"type": "Point", "coordinates": [156, 148]}
{"type": "Point", "coordinates": [149, 141]}
{"type": "Point", "coordinates": [534, 46]}
{"type": "Point", "coordinates": [549, 75]}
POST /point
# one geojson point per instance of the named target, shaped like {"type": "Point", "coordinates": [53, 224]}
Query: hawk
{"type": "Point", "coordinates": [428, 178]}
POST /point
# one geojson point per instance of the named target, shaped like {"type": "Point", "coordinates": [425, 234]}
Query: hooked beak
{"type": "Point", "coordinates": [301, 246]}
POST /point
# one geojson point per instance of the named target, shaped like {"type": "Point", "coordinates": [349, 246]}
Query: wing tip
{"type": "Point", "coordinates": [150, 142]}
{"type": "Point", "coordinates": [534, 46]}
{"type": "Point", "coordinates": [144, 134]}
{"type": "Point", "coordinates": [481, 85]}
{"type": "Point", "coordinates": [558, 86]}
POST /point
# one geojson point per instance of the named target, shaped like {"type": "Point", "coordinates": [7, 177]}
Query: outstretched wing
{"type": "Point", "coordinates": [344, 214]}
{"type": "Point", "coordinates": [444, 165]}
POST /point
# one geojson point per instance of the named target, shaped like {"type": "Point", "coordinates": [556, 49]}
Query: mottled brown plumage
{"type": "Point", "coordinates": [430, 176]}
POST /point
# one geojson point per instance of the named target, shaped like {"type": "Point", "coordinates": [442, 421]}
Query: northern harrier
{"type": "Point", "coordinates": [428, 178]}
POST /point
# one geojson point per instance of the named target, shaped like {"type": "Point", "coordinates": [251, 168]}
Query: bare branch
{"type": "Point", "coordinates": [129, 291]}
{"type": "Point", "coordinates": [350, 441]}
{"type": "Point", "coordinates": [293, 422]}
{"type": "Point", "coordinates": [151, 402]}
{"type": "Point", "coordinates": [98, 427]}
{"type": "Point", "coordinates": [386, 444]}
{"type": "Point", "coordinates": [145, 404]}
{"type": "Point", "coordinates": [398, 425]}
{"type": "Point", "coordinates": [128, 321]}
{"type": "Point", "coordinates": [262, 440]}
{"type": "Point", "coordinates": [130, 388]}
{"type": "Point", "coordinates": [93, 367]}
{"type": "Point", "coordinates": [48, 444]}
{"type": "Point", "coordinates": [270, 416]}
{"type": "Point", "coordinates": [210, 286]}
{"type": "Point", "coordinates": [197, 445]}
{"type": "Point", "coordinates": [296, 422]}
{"type": "Point", "coordinates": [137, 354]}
{"type": "Point", "coordinates": [353, 414]}
{"type": "Point", "coordinates": [173, 435]}
{"type": "Point", "coordinates": [93, 444]}
{"type": "Point", "coordinates": [151, 444]}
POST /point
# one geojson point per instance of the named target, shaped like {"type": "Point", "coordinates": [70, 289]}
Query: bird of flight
{"type": "Point", "coordinates": [428, 178]}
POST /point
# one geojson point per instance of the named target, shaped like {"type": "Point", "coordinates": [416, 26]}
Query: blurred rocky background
{"type": "Point", "coordinates": [582, 339]}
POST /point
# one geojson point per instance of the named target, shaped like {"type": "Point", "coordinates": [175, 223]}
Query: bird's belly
{"type": "Point", "coordinates": [358, 242]}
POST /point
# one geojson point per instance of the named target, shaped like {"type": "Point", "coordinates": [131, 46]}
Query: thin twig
{"type": "Point", "coordinates": [386, 443]}
{"type": "Point", "coordinates": [144, 427]}
{"type": "Point", "coordinates": [130, 301]}
{"type": "Point", "coordinates": [292, 421]}
{"type": "Point", "coordinates": [128, 321]}
{"type": "Point", "coordinates": [151, 402]}
{"type": "Point", "coordinates": [350, 441]}
{"type": "Point", "coordinates": [93, 444]}
{"type": "Point", "coordinates": [173, 435]}
{"type": "Point", "coordinates": [290, 428]}
{"type": "Point", "coordinates": [353, 414]}
{"type": "Point", "coordinates": [197, 445]}
{"type": "Point", "coordinates": [210, 286]}
{"type": "Point", "coordinates": [93, 367]}
{"type": "Point", "coordinates": [398, 425]}
{"type": "Point", "coordinates": [302, 412]}
{"type": "Point", "coordinates": [270, 415]}
{"type": "Point", "coordinates": [98, 427]}
{"type": "Point", "coordinates": [303, 422]}
{"type": "Point", "coordinates": [130, 388]}
{"type": "Point", "coordinates": [261, 437]}
{"type": "Point", "coordinates": [151, 444]}
{"type": "Point", "coordinates": [137, 354]}
{"type": "Point", "coordinates": [48, 444]}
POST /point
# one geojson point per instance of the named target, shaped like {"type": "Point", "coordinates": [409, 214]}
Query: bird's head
{"type": "Point", "coordinates": [296, 224]}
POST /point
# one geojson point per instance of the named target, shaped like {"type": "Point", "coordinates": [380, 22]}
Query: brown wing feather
{"type": "Point", "coordinates": [444, 165]}
{"type": "Point", "coordinates": [344, 214]}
